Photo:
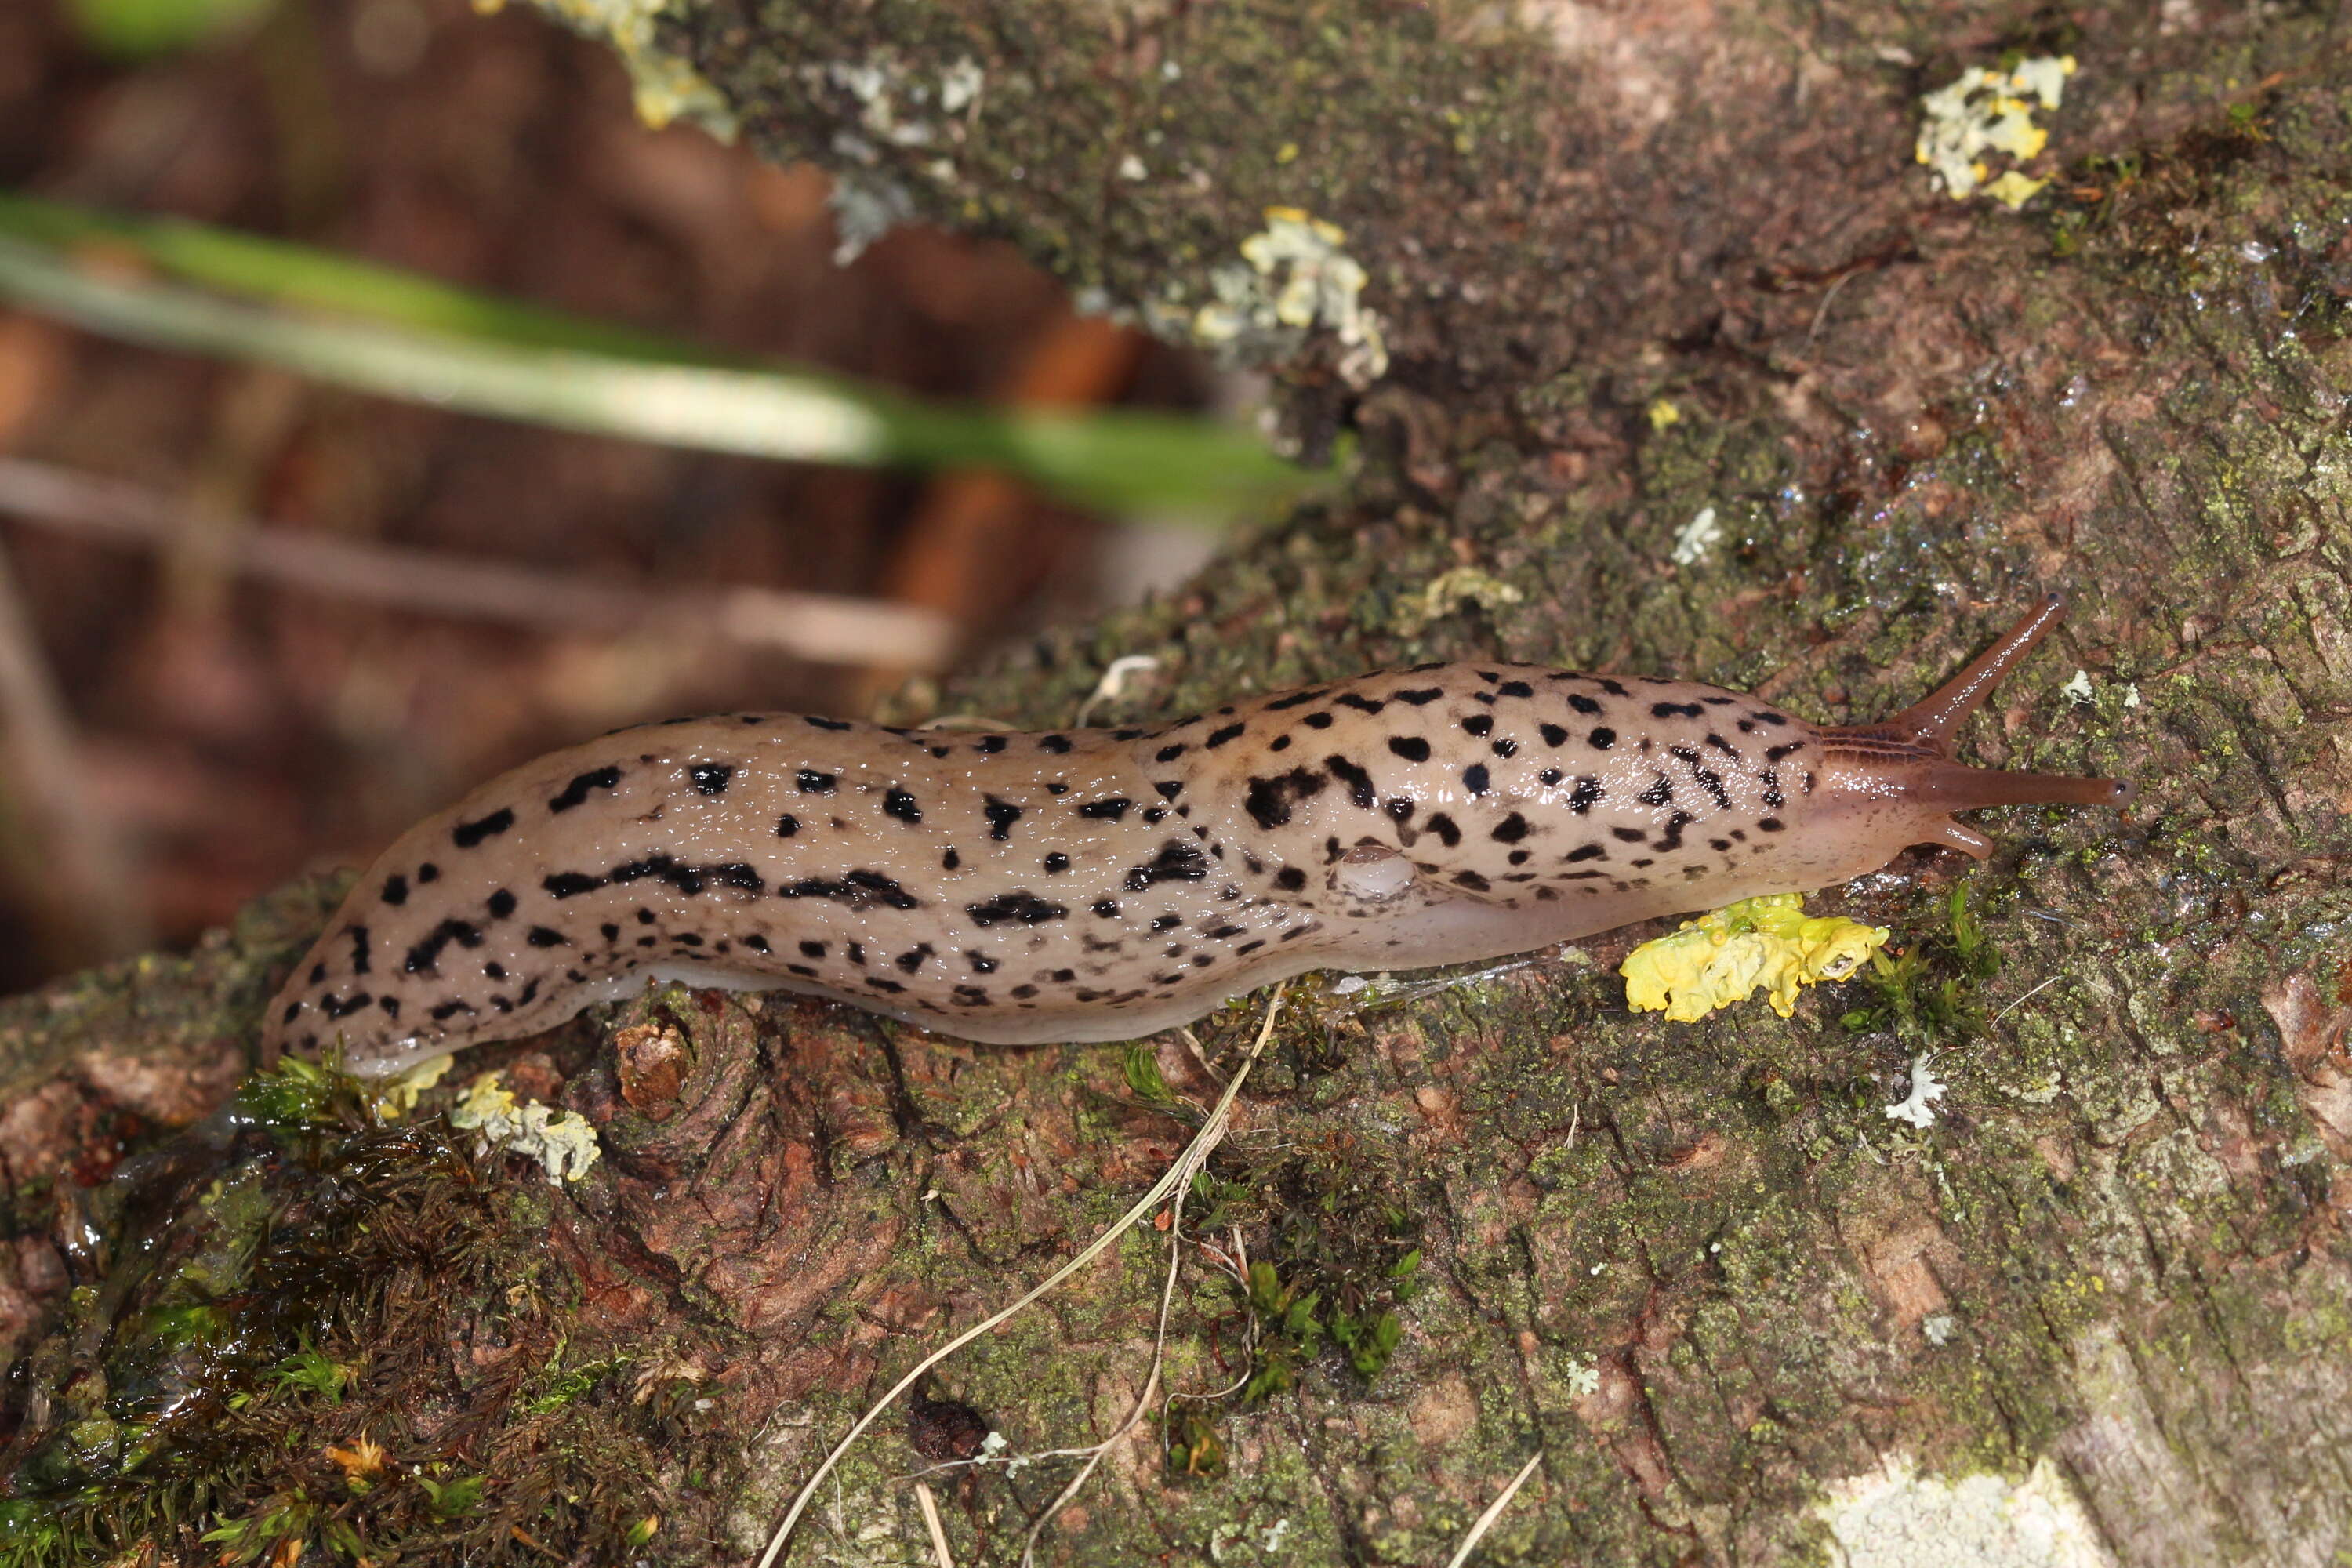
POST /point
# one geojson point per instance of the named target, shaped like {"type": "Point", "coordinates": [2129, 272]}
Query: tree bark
{"type": "Point", "coordinates": [1628, 264]}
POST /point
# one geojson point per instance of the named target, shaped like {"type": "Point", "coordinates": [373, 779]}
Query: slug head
{"type": "Point", "coordinates": [1904, 762]}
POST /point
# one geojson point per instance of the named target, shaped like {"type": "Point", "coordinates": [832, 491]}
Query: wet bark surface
{"type": "Point", "coordinates": [1628, 266]}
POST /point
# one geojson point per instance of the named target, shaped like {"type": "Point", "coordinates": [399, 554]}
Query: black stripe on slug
{"type": "Point", "coordinates": [467, 835]}
{"type": "Point", "coordinates": [1361, 792]}
{"type": "Point", "coordinates": [1020, 906]}
{"type": "Point", "coordinates": [427, 953]}
{"type": "Point", "coordinates": [576, 792]}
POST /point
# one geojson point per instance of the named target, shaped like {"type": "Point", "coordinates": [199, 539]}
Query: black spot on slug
{"type": "Point", "coordinates": [1510, 830]}
{"type": "Point", "coordinates": [1176, 862]}
{"type": "Point", "coordinates": [1602, 738]}
{"type": "Point", "coordinates": [501, 904]}
{"type": "Point", "coordinates": [1412, 748]}
{"type": "Point", "coordinates": [1475, 778]}
{"type": "Point", "coordinates": [1270, 801]}
{"type": "Point", "coordinates": [812, 781]}
{"type": "Point", "coordinates": [396, 890]}
{"type": "Point", "coordinates": [901, 803]}
{"type": "Point", "coordinates": [548, 936]}
{"type": "Point", "coordinates": [711, 778]}
{"type": "Point", "coordinates": [1107, 810]}
{"type": "Point", "coordinates": [1002, 814]}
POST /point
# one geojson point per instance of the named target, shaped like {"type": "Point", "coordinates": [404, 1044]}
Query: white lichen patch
{"type": "Point", "coordinates": [1295, 276]}
{"type": "Point", "coordinates": [2079, 688]}
{"type": "Point", "coordinates": [1918, 1107]}
{"type": "Point", "coordinates": [1992, 111]}
{"type": "Point", "coordinates": [562, 1142]}
{"type": "Point", "coordinates": [897, 105]}
{"type": "Point", "coordinates": [1893, 1517]}
{"type": "Point", "coordinates": [1696, 537]}
{"type": "Point", "coordinates": [665, 86]}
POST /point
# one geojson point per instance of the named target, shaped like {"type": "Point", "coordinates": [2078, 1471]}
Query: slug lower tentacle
{"type": "Point", "coordinates": [1103, 884]}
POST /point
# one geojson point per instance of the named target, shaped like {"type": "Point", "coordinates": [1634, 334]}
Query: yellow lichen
{"type": "Point", "coordinates": [562, 1142]}
{"type": "Point", "coordinates": [398, 1097]}
{"type": "Point", "coordinates": [1723, 957]}
{"type": "Point", "coordinates": [1990, 111]}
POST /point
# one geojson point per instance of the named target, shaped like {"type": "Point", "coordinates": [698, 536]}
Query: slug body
{"type": "Point", "coordinates": [1100, 884]}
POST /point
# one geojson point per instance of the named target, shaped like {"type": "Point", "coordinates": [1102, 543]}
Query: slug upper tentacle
{"type": "Point", "coordinates": [1102, 884]}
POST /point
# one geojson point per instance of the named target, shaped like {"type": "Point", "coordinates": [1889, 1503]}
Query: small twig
{"type": "Point", "coordinates": [930, 1505]}
{"type": "Point", "coordinates": [1188, 1164]}
{"type": "Point", "coordinates": [826, 627]}
{"type": "Point", "coordinates": [1486, 1520]}
{"type": "Point", "coordinates": [1177, 1175]}
{"type": "Point", "coordinates": [2021, 1001]}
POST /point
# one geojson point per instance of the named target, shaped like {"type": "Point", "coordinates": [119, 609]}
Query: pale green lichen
{"type": "Point", "coordinates": [1893, 1517]}
{"type": "Point", "coordinates": [1987, 112]}
{"type": "Point", "coordinates": [1724, 957]}
{"type": "Point", "coordinates": [1293, 277]}
{"type": "Point", "coordinates": [562, 1142]}
{"type": "Point", "coordinates": [1450, 590]}
{"type": "Point", "coordinates": [665, 87]}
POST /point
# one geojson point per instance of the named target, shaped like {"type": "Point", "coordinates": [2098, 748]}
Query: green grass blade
{"type": "Point", "coordinates": [396, 335]}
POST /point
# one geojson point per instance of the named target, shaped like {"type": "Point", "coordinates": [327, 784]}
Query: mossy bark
{"type": "Point", "coordinates": [1626, 267]}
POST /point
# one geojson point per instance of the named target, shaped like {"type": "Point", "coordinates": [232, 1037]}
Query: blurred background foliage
{"type": "Point", "coordinates": [252, 621]}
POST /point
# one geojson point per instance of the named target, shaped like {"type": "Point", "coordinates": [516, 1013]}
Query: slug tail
{"type": "Point", "coordinates": [1935, 720]}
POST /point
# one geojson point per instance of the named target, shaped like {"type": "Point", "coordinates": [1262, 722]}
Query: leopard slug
{"type": "Point", "coordinates": [1103, 884]}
